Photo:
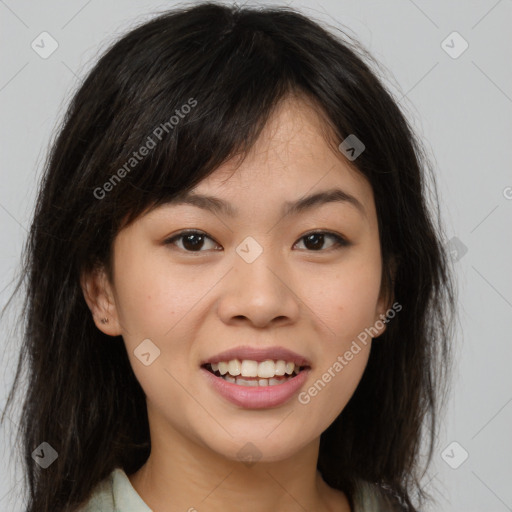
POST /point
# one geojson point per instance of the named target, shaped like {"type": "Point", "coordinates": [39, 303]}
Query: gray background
{"type": "Point", "coordinates": [460, 106]}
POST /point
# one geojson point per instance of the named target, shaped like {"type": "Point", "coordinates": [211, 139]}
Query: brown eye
{"type": "Point", "coordinates": [192, 241]}
{"type": "Point", "coordinates": [315, 240]}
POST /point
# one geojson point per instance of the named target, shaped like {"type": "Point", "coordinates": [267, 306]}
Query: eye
{"type": "Point", "coordinates": [193, 240]}
{"type": "Point", "coordinates": [315, 239]}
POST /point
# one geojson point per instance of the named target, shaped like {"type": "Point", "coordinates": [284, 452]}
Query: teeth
{"type": "Point", "coordinates": [244, 382]}
{"type": "Point", "coordinates": [255, 382]}
{"type": "Point", "coordinates": [248, 368]}
{"type": "Point", "coordinates": [280, 367]}
{"type": "Point", "coordinates": [235, 367]}
{"type": "Point", "coordinates": [289, 368]}
{"type": "Point", "coordinates": [266, 369]}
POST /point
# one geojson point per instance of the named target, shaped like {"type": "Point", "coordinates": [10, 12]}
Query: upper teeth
{"type": "Point", "coordinates": [248, 368]}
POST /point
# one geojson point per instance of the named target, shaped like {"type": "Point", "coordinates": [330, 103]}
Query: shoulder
{"type": "Point", "coordinates": [102, 498]}
{"type": "Point", "coordinates": [369, 497]}
{"type": "Point", "coordinates": [115, 494]}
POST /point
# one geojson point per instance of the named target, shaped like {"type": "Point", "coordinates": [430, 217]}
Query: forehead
{"type": "Point", "coordinates": [293, 167]}
{"type": "Point", "coordinates": [295, 155]}
{"type": "Point", "coordinates": [296, 129]}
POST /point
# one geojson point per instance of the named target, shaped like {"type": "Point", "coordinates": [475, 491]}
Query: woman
{"type": "Point", "coordinates": [236, 291]}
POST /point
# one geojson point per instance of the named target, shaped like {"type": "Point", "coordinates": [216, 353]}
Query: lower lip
{"type": "Point", "coordinates": [257, 397]}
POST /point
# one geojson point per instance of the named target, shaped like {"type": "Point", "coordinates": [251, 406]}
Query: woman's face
{"type": "Point", "coordinates": [254, 280]}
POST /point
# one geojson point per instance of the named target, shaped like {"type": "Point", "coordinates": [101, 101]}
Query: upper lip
{"type": "Point", "coordinates": [258, 354]}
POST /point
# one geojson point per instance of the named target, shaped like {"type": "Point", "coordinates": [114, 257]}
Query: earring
{"type": "Point", "coordinates": [104, 320]}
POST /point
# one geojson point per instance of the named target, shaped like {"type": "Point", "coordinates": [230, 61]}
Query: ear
{"type": "Point", "coordinates": [386, 298]}
{"type": "Point", "coordinates": [99, 296]}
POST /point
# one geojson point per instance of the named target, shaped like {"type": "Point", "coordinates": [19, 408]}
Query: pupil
{"type": "Point", "coordinates": [320, 236]}
{"type": "Point", "coordinates": [188, 238]}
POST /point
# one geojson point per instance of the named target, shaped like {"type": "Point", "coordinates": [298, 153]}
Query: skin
{"type": "Point", "coordinates": [193, 305]}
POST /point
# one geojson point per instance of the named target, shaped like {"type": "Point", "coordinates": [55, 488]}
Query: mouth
{"type": "Point", "coordinates": [255, 374]}
{"type": "Point", "coordinates": [254, 391]}
{"type": "Point", "coordinates": [256, 377]}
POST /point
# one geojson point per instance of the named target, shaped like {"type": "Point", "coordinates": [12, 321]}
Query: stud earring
{"type": "Point", "coordinates": [104, 320]}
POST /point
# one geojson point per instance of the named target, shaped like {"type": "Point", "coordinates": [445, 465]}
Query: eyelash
{"type": "Point", "coordinates": [340, 242]}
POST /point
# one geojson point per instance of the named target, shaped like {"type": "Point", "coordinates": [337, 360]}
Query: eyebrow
{"type": "Point", "coordinates": [303, 204]}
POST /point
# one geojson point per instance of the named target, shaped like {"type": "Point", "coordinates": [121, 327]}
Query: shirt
{"type": "Point", "coordinates": [116, 494]}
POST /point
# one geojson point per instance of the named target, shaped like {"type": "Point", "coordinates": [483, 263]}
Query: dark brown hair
{"type": "Point", "coordinates": [237, 64]}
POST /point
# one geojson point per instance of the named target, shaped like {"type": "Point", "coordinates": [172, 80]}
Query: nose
{"type": "Point", "coordinates": [259, 293]}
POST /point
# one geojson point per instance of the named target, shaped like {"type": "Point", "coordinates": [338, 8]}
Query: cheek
{"type": "Point", "coordinates": [346, 302]}
{"type": "Point", "coordinates": [346, 298]}
{"type": "Point", "coordinates": [337, 381]}
{"type": "Point", "coordinates": [153, 298]}
{"type": "Point", "coordinates": [153, 295]}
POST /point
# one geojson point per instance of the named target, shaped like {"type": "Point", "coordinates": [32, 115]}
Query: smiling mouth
{"type": "Point", "coordinates": [241, 380]}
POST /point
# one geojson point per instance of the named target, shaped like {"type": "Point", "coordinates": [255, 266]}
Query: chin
{"type": "Point", "coordinates": [260, 447]}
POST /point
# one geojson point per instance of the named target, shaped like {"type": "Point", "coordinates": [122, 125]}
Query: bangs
{"type": "Point", "coordinates": [188, 120]}
{"type": "Point", "coordinates": [181, 112]}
